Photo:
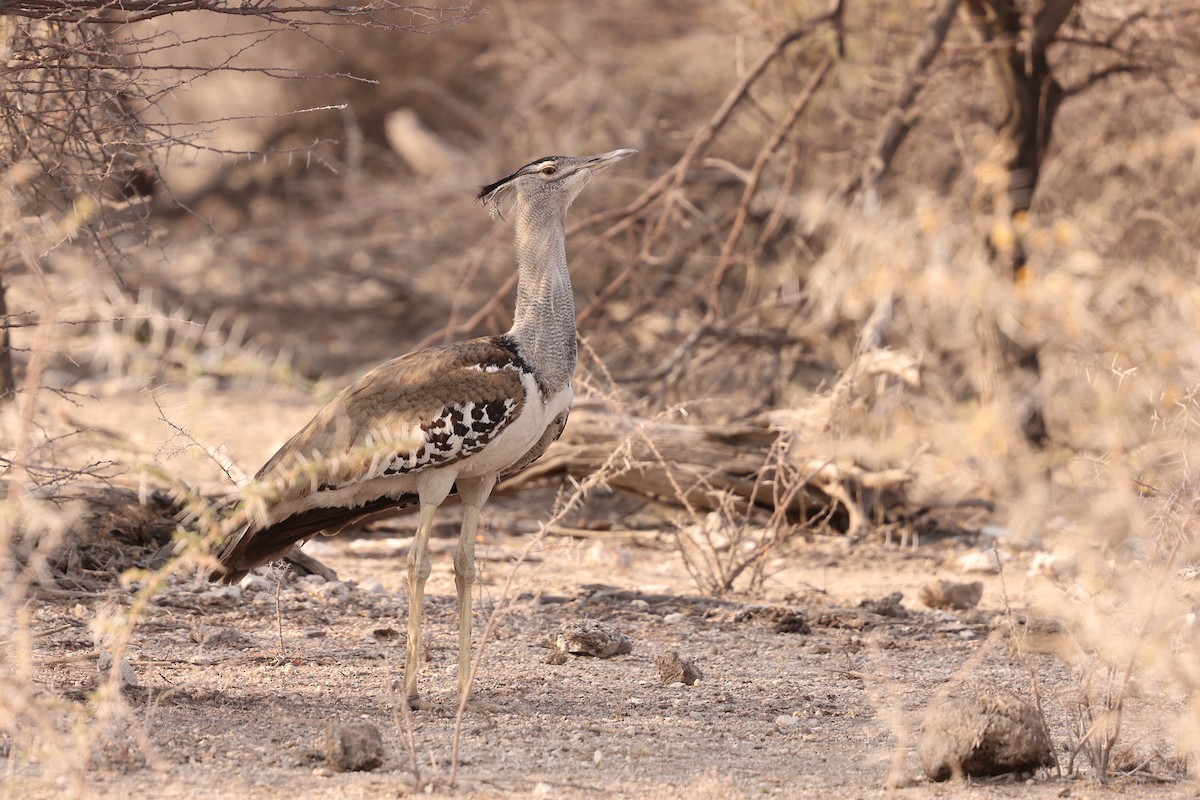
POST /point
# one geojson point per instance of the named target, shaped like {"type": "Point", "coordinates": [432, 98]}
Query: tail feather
{"type": "Point", "coordinates": [247, 548]}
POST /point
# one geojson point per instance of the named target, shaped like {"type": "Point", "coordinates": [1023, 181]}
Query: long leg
{"type": "Point", "coordinates": [474, 494]}
{"type": "Point", "coordinates": [418, 571]}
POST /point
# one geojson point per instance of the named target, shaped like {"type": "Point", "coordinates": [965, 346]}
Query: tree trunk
{"type": "Point", "coordinates": [8, 384]}
{"type": "Point", "coordinates": [1030, 98]}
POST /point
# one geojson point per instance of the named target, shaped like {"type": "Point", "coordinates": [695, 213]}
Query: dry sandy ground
{"type": "Point", "coordinates": [237, 687]}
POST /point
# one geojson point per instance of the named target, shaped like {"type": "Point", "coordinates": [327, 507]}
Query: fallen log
{"type": "Point", "coordinates": [717, 467]}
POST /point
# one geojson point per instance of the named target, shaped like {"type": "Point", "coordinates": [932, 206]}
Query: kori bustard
{"type": "Point", "coordinates": [454, 418]}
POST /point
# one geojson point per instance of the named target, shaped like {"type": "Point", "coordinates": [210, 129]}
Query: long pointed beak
{"type": "Point", "coordinates": [608, 159]}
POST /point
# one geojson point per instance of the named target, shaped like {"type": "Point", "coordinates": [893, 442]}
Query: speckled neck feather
{"type": "Point", "coordinates": [544, 322]}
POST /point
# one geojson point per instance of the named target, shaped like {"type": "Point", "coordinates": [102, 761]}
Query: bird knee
{"type": "Point", "coordinates": [464, 571]}
{"type": "Point", "coordinates": [419, 569]}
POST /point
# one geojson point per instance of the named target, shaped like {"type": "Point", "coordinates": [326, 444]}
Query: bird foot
{"type": "Point", "coordinates": [449, 709]}
{"type": "Point", "coordinates": [417, 704]}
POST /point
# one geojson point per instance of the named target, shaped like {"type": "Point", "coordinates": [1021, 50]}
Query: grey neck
{"type": "Point", "coordinates": [544, 322]}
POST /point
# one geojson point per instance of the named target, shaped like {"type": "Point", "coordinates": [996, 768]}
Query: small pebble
{"type": "Point", "coordinates": [674, 618]}
{"type": "Point", "coordinates": [372, 586]}
{"type": "Point", "coordinates": [673, 669]}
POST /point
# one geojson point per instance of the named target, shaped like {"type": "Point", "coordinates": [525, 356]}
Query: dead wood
{"type": "Point", "coordinates": [739, 465]}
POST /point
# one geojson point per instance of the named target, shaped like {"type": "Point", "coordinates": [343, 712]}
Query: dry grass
{"type": "Point", "coordinates": [871, 332]}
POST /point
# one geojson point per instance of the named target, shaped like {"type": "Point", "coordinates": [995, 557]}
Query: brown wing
{"type": "Point", "coordinates": [424, 410]}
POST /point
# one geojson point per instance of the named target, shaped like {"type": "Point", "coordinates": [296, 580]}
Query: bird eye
{"type": "Point", "coordinates": [549, 169]}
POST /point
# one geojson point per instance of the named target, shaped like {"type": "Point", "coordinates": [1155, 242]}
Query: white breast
{"type": "Point", "coordinates": [522, 433]}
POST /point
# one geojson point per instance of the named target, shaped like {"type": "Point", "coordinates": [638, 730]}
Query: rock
{"type": "Point", "coordinates": [1056, 566]}
{"type": "Point", "coordinates": [372, 586]}
{"type": "Point", "coordinates": [333, 590]}
{"type": "Point", "coordinates": [673, 669]}
{"type": "Point", "coordinates": [888, 606]}
{"type": "Point", "coordinates": [982, 734]}
{"type": "Point", "coordinates": [792, 622]}
{"type": "Point", "coordinates": [1038, 635]}
{"type": "Point", "coordinates": [948, 594]}
{"type": "Point", "coordinates": [353, 747]}
{"type": "Point", "coordinates": [221, 596]}
{"type": "Point", "coordinates": [674, 618]}
{"type": "Point", "coordinates": [221, 637]}
{"type": "Point", "coordinates": [304, 564]}
{"type": "Point", "coordinates": [126, 677]}
{"type": "Point", "coordinates": [980, 562]}
{"type": "Point", "coordinates": [590, 637]}
{"type": "Point", "coordinates": [256, 583]}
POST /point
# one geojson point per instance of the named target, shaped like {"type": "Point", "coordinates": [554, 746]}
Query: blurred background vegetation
{"type": "Point", "coordinates": [955, 238]}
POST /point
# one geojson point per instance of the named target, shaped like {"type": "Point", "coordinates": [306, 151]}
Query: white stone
{"type": "Point", "coordinates": [995, 532]}
{"type": "Point", "coordinates": [221, 596]}
{"type": "Point", "coordinates": [982, 562]}
{"type": "Point", "coordinates": [1058, 566]}
{"type": "Point", "coordinates": [256, 583]}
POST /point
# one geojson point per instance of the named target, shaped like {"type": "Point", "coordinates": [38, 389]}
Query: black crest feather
{"type": "Point", "coordinates": [486, 191]}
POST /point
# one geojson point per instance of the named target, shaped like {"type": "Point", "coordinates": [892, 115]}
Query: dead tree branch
{"type": "Point", "coordinates": [760, 163]}
{"type": "Point", "coordinates": [426, 18]}
{"type": "Point", "coordinates": [900, 119]}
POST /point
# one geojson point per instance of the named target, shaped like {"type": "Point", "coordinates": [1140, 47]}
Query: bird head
{"type": "Point", "coordinates": [553, 181]}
